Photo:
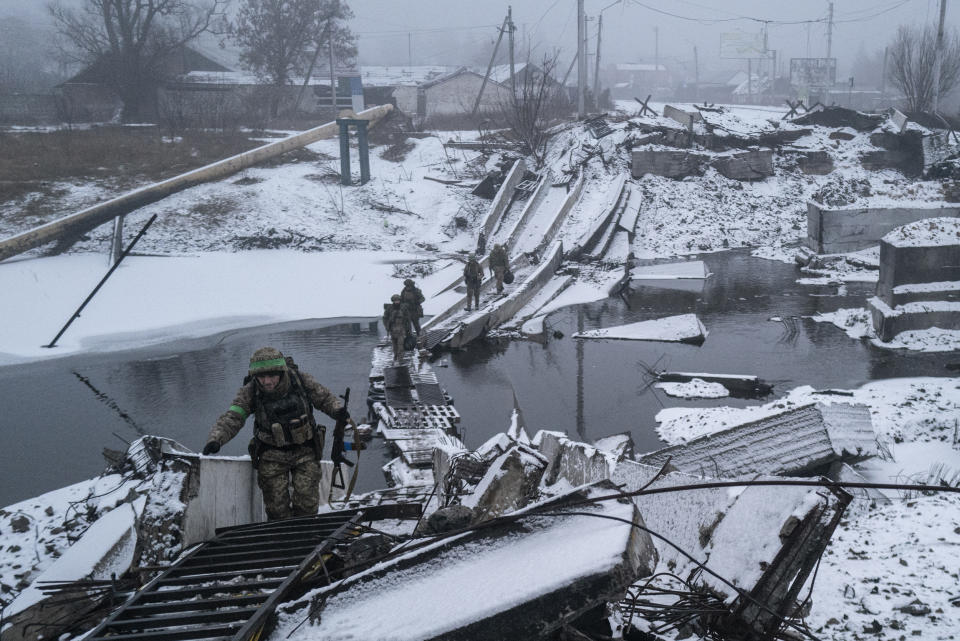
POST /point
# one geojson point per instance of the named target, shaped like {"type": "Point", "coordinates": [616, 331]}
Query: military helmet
{"type": "Point", "coordinates": [395, 298]}
{"type": "Point", "coordinates": [267, 360]}
{"type": "Point", "coordinates": [408, 282]}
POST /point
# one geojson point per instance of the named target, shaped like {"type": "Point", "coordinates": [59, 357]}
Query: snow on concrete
{"type": "Point", "coordinates": [688, 269]}
{"type": "Point", "coordinates": [857, 323]}
{"type": "Point", "coordinates": [930, 232]}
{"type": "Point", "coordinates": [471, 581]}
{"type": "Point", "coordinates": [696, 388]}
{"type": "Point", "coordinates": [670, 328]}
{"type": "Point", "coordinates": [105, 548]}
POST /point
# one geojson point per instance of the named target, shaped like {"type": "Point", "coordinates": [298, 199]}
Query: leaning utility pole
{"type": "Point", "coordinates": [503, 27]}
{"type": "Point", "coordinates": [596, 66]}
{"type": "Point", "coordinates": [513, 79]}
{"type": "Point", "coordinates": [581, 62]}
{"type": "Point", "coordinates": [938, 57]}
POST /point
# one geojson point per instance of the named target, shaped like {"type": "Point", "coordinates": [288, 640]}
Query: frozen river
{"type": "Point", "coordinates": [58, 415]}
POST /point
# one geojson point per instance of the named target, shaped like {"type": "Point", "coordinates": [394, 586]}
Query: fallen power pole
{"type": "Point", "coordinates": [96, 289]}
{"type": "Point", "coordinates": [96, 215]}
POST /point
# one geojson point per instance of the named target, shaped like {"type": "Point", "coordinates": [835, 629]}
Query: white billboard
{"type": "Point", "coordinates": [742, 45]}
{"type": "Point", "coordinates": [813, 72]}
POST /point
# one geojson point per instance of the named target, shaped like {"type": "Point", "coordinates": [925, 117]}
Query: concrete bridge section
{"type": "Point", "coordinates": [837, 231]}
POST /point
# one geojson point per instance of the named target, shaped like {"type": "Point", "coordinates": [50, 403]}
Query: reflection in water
{"type": "Point", "coordinates": [55, 424]}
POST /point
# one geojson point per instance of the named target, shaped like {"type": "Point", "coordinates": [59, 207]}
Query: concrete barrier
{"type": "Point", "coordinates": [837, 231]}
{"type": "Point", "coordinates": [98, 214]}
{"type": "Point", "coordinates": [908, 265]}
{"type": "Point", "coordinates": [504, 195]}
{"type": "Point", "coordinates": [670, 163]}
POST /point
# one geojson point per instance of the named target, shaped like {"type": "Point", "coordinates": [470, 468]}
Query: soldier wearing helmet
{"type": "Point", "coordinates": [287, 442]}
{"type": "Point", "coordinates": [412, 298]}
{"type": "Point", "coordinates": [396, 320]}
{"type": "Point", "coordinates": [499, 263]}
{"type": "Point", "coordinates": [472, 277]}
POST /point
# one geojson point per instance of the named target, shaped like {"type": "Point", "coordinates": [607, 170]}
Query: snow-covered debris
{"type": "Point", "coordinates": [930, 232]}
{"type": "Point", "coordinates": [517, 580]}
{"type": "Point", "coordinates": [690, 269]}
{"type": "Point", "coordinates": [685, 328]}
{"type": "Point", "coordinates": [696, 388]}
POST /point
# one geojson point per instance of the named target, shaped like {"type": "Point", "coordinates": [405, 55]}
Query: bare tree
{"type": "Point", "coordinates": [283, 38]}
{"type": "Point", "coordinates": [539, 101]}
{"type": "Point", "coordinates": [910, 66]}
{"type": "Point", "coordinates": [132, 39]}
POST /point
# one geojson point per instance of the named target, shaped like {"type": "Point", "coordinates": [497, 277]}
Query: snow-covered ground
{"type": "Point", "coordinates": [286, 242]}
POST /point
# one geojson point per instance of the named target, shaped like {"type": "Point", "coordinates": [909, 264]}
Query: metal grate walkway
{"type": "Point", "coordinates": [227, 588]}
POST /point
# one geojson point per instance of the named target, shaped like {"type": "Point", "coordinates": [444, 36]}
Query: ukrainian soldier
{"type": "Point", "coordinates": [498, 265]}
{"type": "Point", "coordinates": [472, 276]}
{"type": "Point", "coordinates": [412, 298]}
{"type": "Point", "coordinates": [287, 442]}
{"type": "Point", "coordinates": [396, 320]}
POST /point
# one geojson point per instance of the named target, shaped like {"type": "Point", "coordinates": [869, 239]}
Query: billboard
{"type": "Point", "coordinates": [813, 72]}
{"type": "Point", "coordinates": [742, 45]}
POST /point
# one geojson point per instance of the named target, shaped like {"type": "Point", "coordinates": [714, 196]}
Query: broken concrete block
{"type": "Point", "coordinates": [685, 328]}
{"type": "Point", "coordinates": [509, 484]}
{"type": "Point", "coordinates": [842, 230]}
{"type": "Point", "coordinates": [575, 462]}
{"type": "Point", "coordinates": [620, 445]}
{"type": "Point", "coordinates": [818, 163]}
{"type": "Point", "coordinates": [447, 519]}
{"type": "Point", "coordinates": [684, 117]}
{"type": "Point", "coordinates": [516, 580]}
{"type": "Point", "coordinates": [671, 163]}
{"type": "Point", "coordinates": [755, 164]}
{"type": "Point", "coordinates": [798, 442]}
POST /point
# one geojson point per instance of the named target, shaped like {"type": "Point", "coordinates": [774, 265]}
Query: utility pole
{"type": "Point", "coordinates": [883, 75]}
{"type": "Point", "coordinates": [596, 66]}
{"type": "Point", "coordinates": [409, 49]}
{"type": "Point", "coordinates": [581, 62]}
{"type": "Point", "coordinates": [938, 57]}
{"type": "Point", "coordinates": [513, 80]}
{"type": "Point", "coordinates": [333, 71]}
{"type": "Point", "coordinates": [830, 29]}
{"type": "Point", "coordinates": [483, 85]}
{"type": "Point", "coordinates": [696, 74]}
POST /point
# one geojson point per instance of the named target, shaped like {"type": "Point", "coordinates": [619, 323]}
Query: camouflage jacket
{"type": "Point", "coordinates": [472, 273]}
{"type": "Point", "coordinates": [498, 258]}
{"type": "Point", "coordinates": [246, 401]}
{"type": "Point", "coordinates": [412, 297]}
{"type": "Point", "coordinates": [396, 320]}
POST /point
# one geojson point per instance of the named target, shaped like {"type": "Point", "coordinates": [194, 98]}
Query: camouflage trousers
{"type": "Point", "coordinates": [397, 339]}
{"type": "Point", "coordinates": [473, 293]}
{"type": "Point", "coordinates": [498, 273]}
{"type": "Point", "coordinates": [290, 481]}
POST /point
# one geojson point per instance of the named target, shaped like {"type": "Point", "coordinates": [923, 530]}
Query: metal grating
{"type": "Point", "coordinates": [228, 587]}
{"type": "Point", "coordinates": [434, 337]}
{"type": "Point", "coordinates": [399, 397]}
{"type": "Point", "coordinates": [430, 394]}
{"type": "Point", "coordinates": [397, 377]}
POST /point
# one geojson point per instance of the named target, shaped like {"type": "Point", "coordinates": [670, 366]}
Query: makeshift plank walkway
{"type": "Point", "coordinates": [227, 588]}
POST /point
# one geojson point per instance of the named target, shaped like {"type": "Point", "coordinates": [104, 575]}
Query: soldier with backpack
{"type": "Point", "coordinates": [287, 442]}
{"type": "Point", "coordinates": [412, 298]}
{"type": "Point", "coordinates": [472, 277]}
{"type": "Point", "coordinates": [396, 320]}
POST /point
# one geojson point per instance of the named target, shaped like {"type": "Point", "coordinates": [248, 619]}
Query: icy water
{"type": "Point", "coordinates": [58, 416]}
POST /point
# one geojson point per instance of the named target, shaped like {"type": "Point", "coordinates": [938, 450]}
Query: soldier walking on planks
{"type": "Point", "coordinates": [472, 276]}
{"type": "Point", "coordinates": [287, 443]}
{"type": "Point", "coordinates": [396, 320]}
{"type": "Point", "coordinates": [499, 263]}
{"type": "Point", "coordinates": [412, 298]}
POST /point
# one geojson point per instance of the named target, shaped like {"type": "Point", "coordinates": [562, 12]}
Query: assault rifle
{"type": "Point", "coordinates": [337, 450]}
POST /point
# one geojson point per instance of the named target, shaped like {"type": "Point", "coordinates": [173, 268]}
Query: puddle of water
{"type": "Point", "coordinates": [56, 425]}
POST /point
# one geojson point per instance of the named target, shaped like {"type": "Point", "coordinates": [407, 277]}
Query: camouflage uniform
{"type": "Point", "coordinates": [499, 264]}
{"type": "Point", "coordinates": [287, 441]}
{"type": "Point", "coordinates": [396, 320]}
{"type": "Point", "coordinates": [472, 276]}
{"type": "Point", "coordinates": [412, 298]}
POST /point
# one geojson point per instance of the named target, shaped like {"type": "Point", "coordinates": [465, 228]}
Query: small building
{"type": "Point", "coordinates": [455, 94]}
{"type": "Point", "coordinates": [630, 79]}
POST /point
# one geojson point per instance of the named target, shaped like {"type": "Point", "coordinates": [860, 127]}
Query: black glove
{"type": "Point", "coordinates": [211, 448]}
{"type": "Point", "coordinates": [342, 414]}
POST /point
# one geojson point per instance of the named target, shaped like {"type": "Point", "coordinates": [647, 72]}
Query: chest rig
{"type": "Point", "coordinates": [286, 420]}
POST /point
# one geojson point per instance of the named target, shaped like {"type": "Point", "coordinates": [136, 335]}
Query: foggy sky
{"type": "Point", "coordinates": [457, 32]}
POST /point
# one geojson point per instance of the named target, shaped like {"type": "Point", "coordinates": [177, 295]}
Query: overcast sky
{"type": "Point", "coordinates": [463, 31]}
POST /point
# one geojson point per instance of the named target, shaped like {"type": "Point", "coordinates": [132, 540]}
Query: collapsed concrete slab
{"type": "Point", "coordinates": [919, 284]}
{"type": "Point", "coordinates": [670, 163]}
{"type": "Point", "coordinates": [684, 328]}
{"type": "Point", "coordinates": [797, 442]}
{"type": "Point", "coordinates": [515, 580]}
{"type": "Point", "coordinates": [762, 541]}
{"type": "Point", "coordinates": [754, 164]}
{"type": "Point", "coordinates": [837, 231]}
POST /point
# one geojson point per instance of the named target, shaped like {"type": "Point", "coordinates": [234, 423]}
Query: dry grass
{"type": "Point", "coordinates": [108, 152]}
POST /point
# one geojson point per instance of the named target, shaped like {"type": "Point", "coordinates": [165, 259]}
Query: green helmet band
{"type": "Point", "coordinates": [273, 363]}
